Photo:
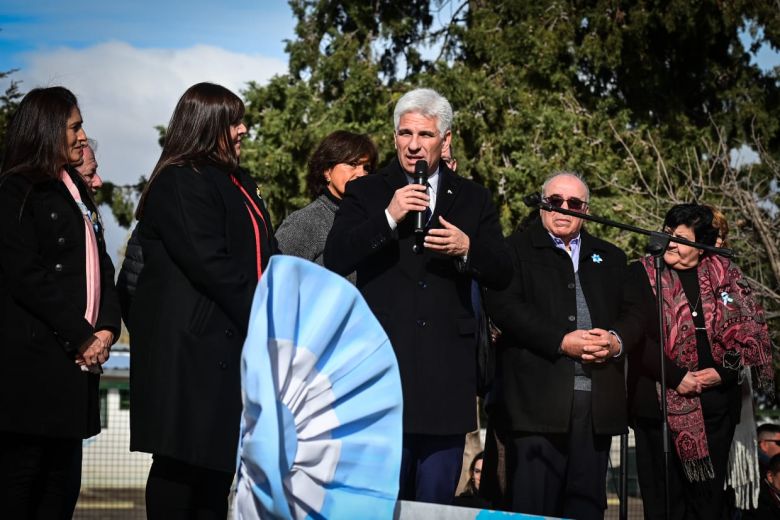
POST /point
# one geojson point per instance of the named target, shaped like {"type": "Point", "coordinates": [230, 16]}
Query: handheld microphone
{"type": "Point", "coordinates": [420, 177]}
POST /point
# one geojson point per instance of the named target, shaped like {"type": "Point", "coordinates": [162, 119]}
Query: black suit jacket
{"type": "Point", "coordinates": [42, 304]}
{"type": "Point", "coordinates": [423, 301]}
{"type": "Point", "coordinates": [189, 316]}
{"type": "Point", "coordinates": [535, 382]}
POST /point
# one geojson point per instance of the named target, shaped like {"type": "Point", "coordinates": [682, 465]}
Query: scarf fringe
{"type": "Point", "coordinates": [743, 470]}
{"type": "Point", "coordinates": [743, 475]}
{"type": "Point", "coordinates": [699, 470]}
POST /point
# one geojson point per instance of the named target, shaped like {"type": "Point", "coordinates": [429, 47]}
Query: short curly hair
{"type": "Point", "coordinates": [696, 217]}
{"type": "Point", "coordinates": [339, 147]}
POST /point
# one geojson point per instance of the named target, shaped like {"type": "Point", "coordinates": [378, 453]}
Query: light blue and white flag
{"type": "Point", "coordinates": [321, 430]}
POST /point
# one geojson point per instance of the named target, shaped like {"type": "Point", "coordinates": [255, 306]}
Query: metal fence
{"type": "Point", "coordinates": [113, 478]}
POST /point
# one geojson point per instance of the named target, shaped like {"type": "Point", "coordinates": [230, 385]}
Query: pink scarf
{"type": "Point", "coordinates": [738, 336]}
{"type": "Point", "coordinates": [91, 253]}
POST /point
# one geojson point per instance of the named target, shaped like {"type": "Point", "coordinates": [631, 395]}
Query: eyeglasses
{"type": "Point", "coordinates": [574, 203]}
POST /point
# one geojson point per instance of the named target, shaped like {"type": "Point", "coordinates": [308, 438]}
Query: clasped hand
{"type": "Point", "coordinates": [590, 346]}
{"type": "Point", "coordinates": [95, 351]}
{"type": "Point", "coordinates": [696, 381]}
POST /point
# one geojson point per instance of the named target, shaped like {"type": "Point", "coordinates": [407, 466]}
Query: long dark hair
{"type": "Point", "coordinates": [339, 147]}
{"type": "Point", "coordinates": [199, 132]}
{"type": "Point", "coordinates": [471, 487]}
{"type": "Point", "coordinates": [35, 141]}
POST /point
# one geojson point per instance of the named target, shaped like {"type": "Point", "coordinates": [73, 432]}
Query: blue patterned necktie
{"type": "Point", "coordinates": [428, 212]}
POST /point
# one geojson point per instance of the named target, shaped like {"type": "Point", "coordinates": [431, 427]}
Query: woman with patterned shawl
{"type": "Point", "coordinates": [713, 328]}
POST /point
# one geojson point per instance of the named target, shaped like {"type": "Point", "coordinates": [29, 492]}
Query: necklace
{"type": "Point", "coordinates": [694, 312]}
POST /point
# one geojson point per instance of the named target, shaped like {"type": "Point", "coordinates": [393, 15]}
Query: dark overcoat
{"type": "Point", "coordinates": [423, 301]}
{"type": "Point", "coordinates": [535, 382]}
{"type": "Point", "coordinates": [188, 319]}
{"type": "Point", "coordinates": [43, 299]}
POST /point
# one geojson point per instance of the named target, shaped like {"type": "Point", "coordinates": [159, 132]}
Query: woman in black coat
{"type": "Point", "coordinates": [59, 313]}
{"type": "Point", "coordinates": [205, 237]}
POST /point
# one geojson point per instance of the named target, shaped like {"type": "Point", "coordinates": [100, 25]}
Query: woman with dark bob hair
{"type": "Point", "coordinates": [206, 238]}
{"type": "Point", "coordinates": [340, 157]}
{"type": "Point", "coordinates": [60, 312]}
{"type": "Point", "coordinates": [713, 329]}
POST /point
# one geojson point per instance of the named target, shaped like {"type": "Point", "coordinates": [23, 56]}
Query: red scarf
{"type": "Point", "coordinates": [738, 336]}
{"type": "Point", "coordinates": [256, 217]}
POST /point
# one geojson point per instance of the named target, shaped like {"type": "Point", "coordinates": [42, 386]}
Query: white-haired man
{"type": "Point", "coordinates": [421, 295]}
{"type": "Point", "coordinates": [88, 168]}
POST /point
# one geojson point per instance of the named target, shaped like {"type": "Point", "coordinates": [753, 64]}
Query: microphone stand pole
{"type": "Point", "coordinates": [656, 248]}
{"type": "Point", "coordinates": [722, 251]}
{"type": "Point", "coordinates": [623, 477]}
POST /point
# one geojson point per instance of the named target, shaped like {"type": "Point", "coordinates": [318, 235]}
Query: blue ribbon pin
{"type": "Point", "coordinates": [726, 298]}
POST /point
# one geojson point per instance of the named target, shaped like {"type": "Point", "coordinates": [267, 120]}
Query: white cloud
{"type": "Point", "coordinates": [125, 91]}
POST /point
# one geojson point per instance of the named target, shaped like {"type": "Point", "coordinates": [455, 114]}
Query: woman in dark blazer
{"type": "Point", "coordinates": [59, 313]}
{"type": "Point", "coordinates": [206, 237]}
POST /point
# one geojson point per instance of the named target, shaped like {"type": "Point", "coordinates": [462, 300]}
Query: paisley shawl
{"type": "Point", "coordinates": [738, 336]}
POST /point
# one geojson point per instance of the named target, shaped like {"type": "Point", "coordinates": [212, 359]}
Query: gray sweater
{"type": "Point", "coordinates": [303, 232]}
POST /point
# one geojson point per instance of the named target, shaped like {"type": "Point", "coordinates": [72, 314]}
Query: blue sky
{"type": "Point", "coordinates": [241, 26]}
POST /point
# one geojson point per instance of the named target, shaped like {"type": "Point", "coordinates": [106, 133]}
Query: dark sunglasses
{"type": "Point", "coordinates": [574, 203]}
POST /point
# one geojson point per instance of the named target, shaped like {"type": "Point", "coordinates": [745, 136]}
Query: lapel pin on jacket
{"type": "Point", "coordinates": [596, 258]}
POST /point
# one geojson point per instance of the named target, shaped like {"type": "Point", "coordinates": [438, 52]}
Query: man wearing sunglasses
{"type": "Point", "coordinates": [563, 319]}
{"type": "Point", "coordinates": [768, 443]}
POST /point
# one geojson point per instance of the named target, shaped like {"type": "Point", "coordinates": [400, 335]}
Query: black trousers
{"type": "Point", "coordinates": [40, 477]}
{"type": "Point", "coordinates": [176, 490]}
{"type": "Point", "coordinates": [703, 500]}
{"type": "Point", "coordinates": [560, 474]}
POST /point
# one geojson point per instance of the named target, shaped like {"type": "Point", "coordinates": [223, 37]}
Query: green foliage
{"type": "Point", "coordinates": [536, 86]}
{"type": "Point", "coordinates": [9, 100]}
{"type": "Point", "coordinates": [121, 199]}
{"type": "Point", "coordinates": [646, 98]}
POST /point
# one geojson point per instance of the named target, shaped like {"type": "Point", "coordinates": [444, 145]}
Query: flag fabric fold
{"type": "Point", "coordinates": [321, 430]}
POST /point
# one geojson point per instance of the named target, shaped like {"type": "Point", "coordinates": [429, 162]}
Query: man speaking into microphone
{"type": "Point", "coordinates": [418, 284]}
